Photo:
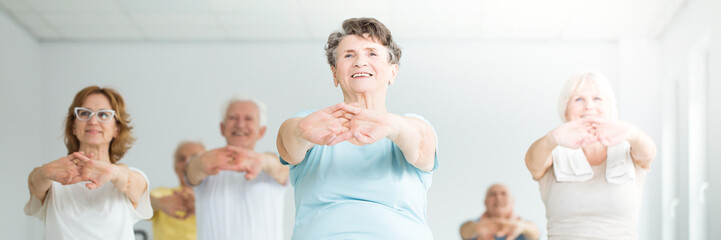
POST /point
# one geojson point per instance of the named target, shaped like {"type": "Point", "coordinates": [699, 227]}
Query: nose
{"type": "Point", "coordinates": [360, 61]}
{"type": "Point", "coordinates": [590, 104]}
{"type": "Point", "coordinates": [93, 119]}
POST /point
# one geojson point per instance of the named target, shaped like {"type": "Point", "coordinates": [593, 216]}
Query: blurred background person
{"type": "Point", "coordinates": [174, 208]}
{"type": "Point", "coordinates": [499, 221]}
{"type": "Point", "coordinates": [88, 194]}
{"type": "Point", "coordinates": [591, 168]}
{"type": "Point", "coordinates": [239, 192]}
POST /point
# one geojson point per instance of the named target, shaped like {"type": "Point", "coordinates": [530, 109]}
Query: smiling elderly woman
{"type": "Point", "coordinates": [360, 172]}
{"type": "Point", "coordinates": [71, 194]}
{"type": "Point", "coordinates": [591, 168]}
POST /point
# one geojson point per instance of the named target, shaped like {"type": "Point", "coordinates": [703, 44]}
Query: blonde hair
{"type": "Point", "coordinates": [578, 80]}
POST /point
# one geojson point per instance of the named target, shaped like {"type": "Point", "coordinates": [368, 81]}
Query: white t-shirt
{"type": "Point", "coordinates": [76, 212]}
{"type": "Point", "coordinates": [227, 206]}
{"type": "Point", "coordinates": [593, 209]}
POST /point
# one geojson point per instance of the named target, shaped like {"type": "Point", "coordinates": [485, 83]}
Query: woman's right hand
{"type": "Point", "coordinates": [64, 170]}
{"type": "Point", "coordinates": [574, 134]}
{"type": "Point", "coordinates": [327, 126]}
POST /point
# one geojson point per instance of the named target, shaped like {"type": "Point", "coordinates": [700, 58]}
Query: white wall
{"type": "Point", "coordinates": [21, 120]}
{"type": "Point", "coordinates": [695, 19]}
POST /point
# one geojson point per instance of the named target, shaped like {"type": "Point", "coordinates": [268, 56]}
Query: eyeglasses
{"type": "Point", "coordinates": [84, 114]}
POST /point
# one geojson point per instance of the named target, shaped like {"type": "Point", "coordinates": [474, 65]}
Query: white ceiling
{"type": "Point", "coordinates": [298, 20]}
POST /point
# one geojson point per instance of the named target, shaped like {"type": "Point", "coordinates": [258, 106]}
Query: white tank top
{"type": "Point", "coordinates": [593, 209]}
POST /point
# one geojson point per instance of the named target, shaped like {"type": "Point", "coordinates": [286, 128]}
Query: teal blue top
{"type": "Point", "coordinates": [359, 192]}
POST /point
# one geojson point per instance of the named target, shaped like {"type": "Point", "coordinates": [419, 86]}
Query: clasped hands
{"type": "Point", "coordinates": [79, 167]}
{"type": "Point", "coordinates": [232, 158]}
{"type": "Point", "coordinates": [490, 228]}
{"type": "Point", "coordinates": [347, 122]}
{"type": "Point", "coordinates": [581, 132]}
{"type": "Point", "coordinates": [180, 204]}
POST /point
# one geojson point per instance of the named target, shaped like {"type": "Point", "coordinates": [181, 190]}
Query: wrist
{"type": "Point", "coordinates": [396, 125]}
{"type": "Point", "coordinates": [550, 140]}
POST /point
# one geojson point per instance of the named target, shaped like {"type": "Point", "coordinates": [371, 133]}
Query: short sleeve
{"type": "Point", "coordinates": [144, 209]}
{"type": "Point", "coordinates": [435, 158]}
{"type": "Point", "coordinates": [34, 207]}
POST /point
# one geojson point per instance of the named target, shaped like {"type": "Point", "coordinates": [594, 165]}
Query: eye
{"type": "Point", "coordinates": [597, 99]}
{"type": "Point", "coordinates": [373, 54]}
{"type": "Point", "coordinates": [103, 115]}
{"type": "Point", "coordinates": [578, 99]}
{"type": "Point", "coordinates": [84, 113]}
{"type": "Point", "coordinates": [348, 55]}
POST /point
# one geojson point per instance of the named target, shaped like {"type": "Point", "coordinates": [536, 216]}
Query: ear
{"type": "Point", "coordinates": [222, 128]}
{"type": "Point", "coordinates": [335, 81]}
{"type": "Point", "coordinates": [394, 73]}
{"type": "Point", "coordinates": [262, 131]}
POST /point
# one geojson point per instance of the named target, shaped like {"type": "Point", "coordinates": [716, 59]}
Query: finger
{"type": "Point", "coordinates": [81, 157]}
{"type": "Point", "coordinates": [338, 113]}
{"type": "Point", "coordinates": [340, 138]}
{"type": "Point", "coordinates": [352, 108]}
{"type": "Point", "coordinates": [91, 185]}
{"type": "Point", "coordinates": [327, 139]}
{"type": "Point", "coordinates": [363, 138]}
{"type": "Point", "coordinates": [250, 175]}
{"type": "Point", "coordinates": [333, 108]}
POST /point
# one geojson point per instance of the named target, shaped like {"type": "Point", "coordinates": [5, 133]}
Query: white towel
{"type": "Point", "coordinates": [571, 165]}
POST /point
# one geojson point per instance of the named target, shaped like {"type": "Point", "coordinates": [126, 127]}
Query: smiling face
{"type": "Point", "coordinates": [93, 132]}
{"type": "Point", "coordinates": [499, 202]}
{"type": "Point", "coordinates": [362, 66]}
{"type": "Point", "coordinates": [241, 126]}
{"type": "Point", "coordinates": [587, 101]}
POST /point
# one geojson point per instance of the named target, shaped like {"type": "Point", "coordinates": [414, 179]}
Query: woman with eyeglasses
{"type": "Point", "coordinates": [88, 194]}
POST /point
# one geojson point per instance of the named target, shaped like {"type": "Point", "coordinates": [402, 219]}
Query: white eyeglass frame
{"type": "Point", "coordinates": [92, 113]}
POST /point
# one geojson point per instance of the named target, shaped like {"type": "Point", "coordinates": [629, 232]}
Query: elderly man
{"type": "Point", "coordinates": [499, 221]}
{"type": "Point", "coordinates": [174, 208]}
{"type": "Point", "coordinates": [239, 192]}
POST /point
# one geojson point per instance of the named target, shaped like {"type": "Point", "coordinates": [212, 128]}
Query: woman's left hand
{"type": "Point", "coordinates": [612, 132]}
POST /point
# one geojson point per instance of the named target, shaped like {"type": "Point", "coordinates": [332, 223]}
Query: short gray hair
{"type": "Point", "coordinates": [263, 120]}
{"type": "Point", "coordinates": [360, 26]}
{"type": "Point", "coordinates": [599, 81]}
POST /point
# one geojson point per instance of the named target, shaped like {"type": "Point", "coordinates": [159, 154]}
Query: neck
{"type": "Point", "coordinates": [488, 214]}
{"type": "Point", "coordinates": [100, 153]}
{"type": "Point", "coordinates": [367, 100]}
{"type": "Point", "coordinates": [248, 146]}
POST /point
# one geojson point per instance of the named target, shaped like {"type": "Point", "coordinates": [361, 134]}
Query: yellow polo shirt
{"type": "Point", "coordinates": [167, 227]}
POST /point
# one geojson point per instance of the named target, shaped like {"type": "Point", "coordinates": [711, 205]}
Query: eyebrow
{"type": "Point", "coordinates": [353, 50]}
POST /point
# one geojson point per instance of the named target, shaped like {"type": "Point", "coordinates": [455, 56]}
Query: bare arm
{"type": "Point", "coordinates": [469, 230]}
{"type": "Point", "coordinates": [416, 140]}
{"type": "Point", "coordinates": [290, 143]}
{"type": "Point", "coordinates": [643, 149]}
{"type": "Point", "coordinates": [272, 166]}
{"type": "Point", "coordinates": [129, 182]}
{"type": "Point", "coordinates": [529, 230]}
{"type": "Point", "coordinates": [538, 157]}
{"type": "Point", "coordinates": [64, 170]}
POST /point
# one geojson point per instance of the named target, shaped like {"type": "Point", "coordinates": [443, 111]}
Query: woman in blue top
{"type": "Point", "coordinates": [360, 172]}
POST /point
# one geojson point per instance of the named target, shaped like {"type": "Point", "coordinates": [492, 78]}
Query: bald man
{"type": "Point", "coordinates": [499, 221]}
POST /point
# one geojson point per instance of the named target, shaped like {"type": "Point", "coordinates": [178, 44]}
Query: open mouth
{"type": "Point", "coordinates": [361, 74]}
{"type": "Point", "coordinates": [238, 133]}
